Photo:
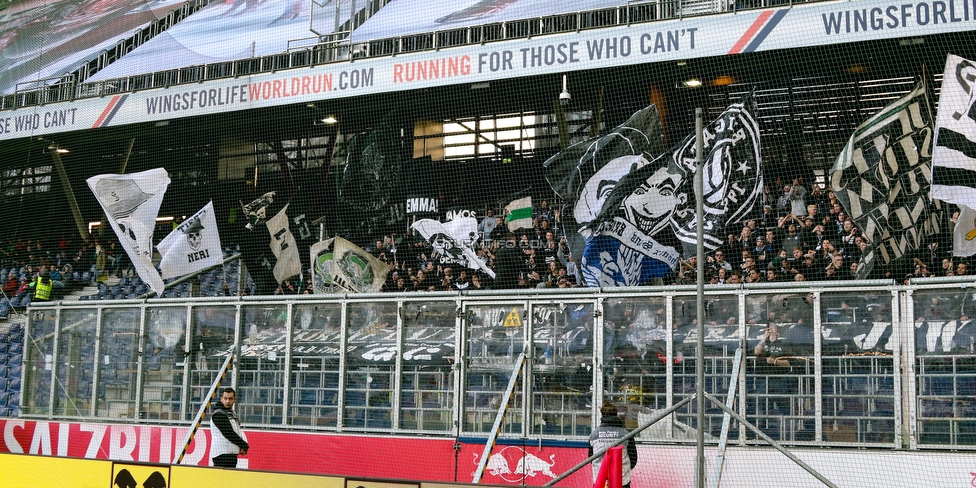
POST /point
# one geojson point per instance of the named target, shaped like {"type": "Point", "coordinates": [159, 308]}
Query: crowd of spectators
{"type": "Point", "coordinates": [801, 234]}
{"type": "Point", "coordinates": [805, 235]}
{"type": "Point", "coordinates": [66, 265]}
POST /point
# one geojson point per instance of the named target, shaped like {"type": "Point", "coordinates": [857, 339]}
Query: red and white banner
{"type": "Point", "coordinates": [433, 459]}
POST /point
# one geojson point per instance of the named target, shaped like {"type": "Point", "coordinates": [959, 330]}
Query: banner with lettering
{"type": "Point", "coordinates": [452, 241]}
{"type": "Point", "coordinates": [193, 245]}
{"type": "Point", "coordinates": [882, 177]}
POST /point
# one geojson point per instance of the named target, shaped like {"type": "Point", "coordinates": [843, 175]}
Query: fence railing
{"type": "Point", "coordinates": [866, 364]}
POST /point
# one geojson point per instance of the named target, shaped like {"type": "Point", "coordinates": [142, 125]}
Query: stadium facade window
{"type": "Point", "coordinates": [27, 180]}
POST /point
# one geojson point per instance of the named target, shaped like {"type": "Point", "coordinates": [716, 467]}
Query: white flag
{"type": "Point", "coordinates": [283, 246]}
{"type": "Point", "coordinates": [964, 235]}
{"type": "Point", "coordinates": [341, 266]}
{"type": "Point", "coordinates": [131, 203]}
{"type": "Point", "coordinates": [453, 241]}
{"type": "Point", "coordinates": [954, 148]}
{"type": "Point", "coordinates": [192, 246]}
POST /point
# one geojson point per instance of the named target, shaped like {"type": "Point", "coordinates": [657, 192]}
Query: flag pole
{"type": "Point", "coordinates": [700, 271]}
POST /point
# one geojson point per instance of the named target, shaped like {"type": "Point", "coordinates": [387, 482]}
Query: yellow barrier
{"type": "Point", "coordinates": [30, 471]}
{"type": "Point", "coordinates": [26, 471]}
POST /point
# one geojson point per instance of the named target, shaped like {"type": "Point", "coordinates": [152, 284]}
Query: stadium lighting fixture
{"type": "Point", "coordinates": [57, 149]}
{"type": "Point", "coordinates": [692, 83]}
{"type": "Point", "coordinates": [330, 119]}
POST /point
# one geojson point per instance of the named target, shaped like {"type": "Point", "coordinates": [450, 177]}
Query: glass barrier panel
{"type": "Point", "coordinates": [261, 373]}
{"type": "Point", "coordinates": [945, 367]}
{"type": "Point", "coordinates": [314, 373]}
{"type": "Point", "coordinates": [858, 367]}
{"type": "Point", "coordinates": [118, 363]}
{"type": "Point", "coordinates": [427, 379]}
{"type": "Point", "coordinates": [210, 344]}
{"type": "Point", "coordinates": [38, 363]}
{"type": "Point", "coordinates": [496, 337]}
{"type": "Point", "coordinates": [780, 391]}
{"type": "Point", "coordinates": [164, 363]}
{"type": "Point", "coordinates": [370, 365]}
{"type": "Point", "coordinates": [635, 346]}
{"type": "Point", "coordinates": [76, 364]}
{"type": "Point", "coordinates": [562, 373]}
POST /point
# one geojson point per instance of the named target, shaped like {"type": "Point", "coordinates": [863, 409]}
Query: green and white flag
{"type": "Point", "coordinates": [340, 266]}
{"type": "Point", "coordinates": [519, 214]}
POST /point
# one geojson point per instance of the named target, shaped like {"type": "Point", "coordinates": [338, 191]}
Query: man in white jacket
{"type": "Point", "coordinates": [227, 440]}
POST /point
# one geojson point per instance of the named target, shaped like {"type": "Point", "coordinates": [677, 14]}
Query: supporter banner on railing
{"type": "Point", "coordinates": [692, 37]}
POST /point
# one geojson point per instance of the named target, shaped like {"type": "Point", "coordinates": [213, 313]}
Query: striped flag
{"type": "Point", "coordinates": [954, 148]}
{"type": "Point", "coordinates": [519, 214]}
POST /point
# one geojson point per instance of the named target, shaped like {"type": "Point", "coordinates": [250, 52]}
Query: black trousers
{"type": "Point", "coordinates": [225, 461]}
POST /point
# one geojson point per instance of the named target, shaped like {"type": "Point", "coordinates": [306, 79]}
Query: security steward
{"type": "Point", "coordinates": [43, 285]}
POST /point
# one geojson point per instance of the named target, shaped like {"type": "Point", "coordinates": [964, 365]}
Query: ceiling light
{"type": "Point", "coordinates": [330, 120]}
{"type": "Point", "coordinates": [692, 83]}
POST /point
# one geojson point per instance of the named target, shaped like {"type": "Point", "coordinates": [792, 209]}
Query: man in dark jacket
{"type": "Point", "coordinates": [611, 430]}
{"type": "Point", "coordinates": [226, 438]}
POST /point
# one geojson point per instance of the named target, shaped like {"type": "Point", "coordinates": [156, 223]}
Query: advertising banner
{"type": "Point", "coordinates": [286, 458]}
{"type": "Point", "coordinates": [815, 24]}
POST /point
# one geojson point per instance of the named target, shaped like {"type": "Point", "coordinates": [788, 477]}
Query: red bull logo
{"type": "Point", "coordinates": [526, 465]}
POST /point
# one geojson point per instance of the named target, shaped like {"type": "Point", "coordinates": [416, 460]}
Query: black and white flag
{"type": "Point", "coordinates": [453, 241]}
{"type": "Point", "coordinates": [192, 246]}
{"type": "Point", "coordinates": [881, 177]}
{"type": "Point", "coordinates": [131, 203]}
{"type": "Point", "coordinates": [584, 173]}
{"type": "Point", "coordinates": [954, 149]}
{"type": "Point", "coordinates": [288, 262]}
{"type": "Point", "coordinates": [638, 206]}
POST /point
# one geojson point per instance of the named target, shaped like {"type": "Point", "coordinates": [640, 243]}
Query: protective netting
{"type": "Point", "coordinates": [333, 149]}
